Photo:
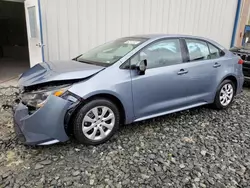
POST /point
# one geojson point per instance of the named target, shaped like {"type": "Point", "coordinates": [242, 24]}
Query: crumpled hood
{"type": "Point", "coordinates": [57, 71]}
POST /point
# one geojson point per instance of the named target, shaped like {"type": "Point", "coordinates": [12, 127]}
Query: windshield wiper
{"type": "Point", "coordinates": [93, 63]}
{"type": "Point", "coordinates": [82, 61]}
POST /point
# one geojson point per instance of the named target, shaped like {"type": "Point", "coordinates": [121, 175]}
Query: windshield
{"type": "Point", "coordinates": [110, 52]}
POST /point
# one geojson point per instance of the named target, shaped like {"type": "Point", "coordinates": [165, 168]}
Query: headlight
{"type": "Point", "coordinates": [37, 99]}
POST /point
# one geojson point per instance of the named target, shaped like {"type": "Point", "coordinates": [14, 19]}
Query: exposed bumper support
{"type": "Point", "coordinates": [43, 127]}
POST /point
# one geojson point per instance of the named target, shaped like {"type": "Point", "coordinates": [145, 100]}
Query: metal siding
{"type": "Point", "coordinates": [125, 18]}
{"type": "Point", "coordinates": [73, 30]}
{"type": "Point", "coordinates": [113, 19]}
{"type": "Point", "coordinates": [63, 34]}
{"type": "Point", "coordinates": [101, 21]}
{"type": "Point", "coordinates": [72, 27]}
{"type": "Point", "coordinates": [83, 35]}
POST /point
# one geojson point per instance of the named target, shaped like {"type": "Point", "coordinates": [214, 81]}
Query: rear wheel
{"type": "Point", "coordinates": [96, 122]}
{"type": "Point", "coordinates": [224, 95]}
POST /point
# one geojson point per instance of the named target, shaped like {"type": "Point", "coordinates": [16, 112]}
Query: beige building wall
{"type": "Point", "coordinates": [243, 20]}
{"type": "Point", "coordinates": [71, 27]}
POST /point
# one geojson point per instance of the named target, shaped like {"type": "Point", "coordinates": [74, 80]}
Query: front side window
{"type": "Point", "coordinates": [197, 49]}
{"type": "Point", "coordinates": [111, 52]}
{"type": "Point", "coordinates": [163, 53]}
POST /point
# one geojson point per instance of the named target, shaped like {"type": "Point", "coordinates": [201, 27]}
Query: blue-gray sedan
{"type": "Point", "coordinates": [123, 81]}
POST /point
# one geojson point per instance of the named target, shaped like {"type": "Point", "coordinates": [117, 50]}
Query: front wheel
{"type": "Point", "coordinates": [96, 122]}
{"type": "Point", "coordinates": [224, 95]}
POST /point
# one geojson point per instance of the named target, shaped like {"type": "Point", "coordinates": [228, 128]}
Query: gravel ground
{"type": "Point", "coordinates": [194, 148]}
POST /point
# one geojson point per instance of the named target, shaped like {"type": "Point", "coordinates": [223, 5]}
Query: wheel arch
{"type": "Point", "coordinates": [227, 77]}
{"type": "Point", "coordinates": [233, 79]}
{"type": "Point", "coordinates": [230, 77]}
{"type": "Point", "coordinates": [111, 98]}
{"type": "Point", "coordinates": [70, 116]}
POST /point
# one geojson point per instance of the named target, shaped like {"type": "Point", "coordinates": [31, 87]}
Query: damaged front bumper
{"type": "Point", "coordinates": [45, 126]}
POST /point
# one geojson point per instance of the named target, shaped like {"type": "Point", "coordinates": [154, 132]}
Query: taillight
{"type": "Point", "coordinates": [240, 61]}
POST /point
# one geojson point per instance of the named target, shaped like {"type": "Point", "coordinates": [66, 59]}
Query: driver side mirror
{"type": "Point", "coordinates": [141, 67]}
{"type": "Point", "coordinates": [139, 63]}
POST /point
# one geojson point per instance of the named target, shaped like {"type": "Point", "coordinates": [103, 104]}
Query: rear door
{"type": "Point", "coordinates": [203, 68]}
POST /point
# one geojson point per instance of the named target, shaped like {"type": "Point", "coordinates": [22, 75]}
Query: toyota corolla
{"type": "Point", "coordinates": [123, 81]}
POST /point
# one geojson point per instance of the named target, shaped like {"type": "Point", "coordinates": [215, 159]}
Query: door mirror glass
{"type": "Point", "coordinates": [141, 67]}
{"type": "Point", "coordinates": [139, 63]}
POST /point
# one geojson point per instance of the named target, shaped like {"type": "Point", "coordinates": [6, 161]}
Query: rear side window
{"type": "Point", "coordinates": [197, 49]}
{"type": "Point", "coordinates": [214, 51]}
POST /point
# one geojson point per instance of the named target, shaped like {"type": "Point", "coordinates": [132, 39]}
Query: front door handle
{"type": "Point", "coordinates": [216, 65]}
{"type": "Point", "coordinates": [182, 71]}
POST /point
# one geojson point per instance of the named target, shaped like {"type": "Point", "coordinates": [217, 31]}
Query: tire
{"type": "Point", "coordinates": [218, 104]}
{"type": "Point", "coordinates": [86, 119]}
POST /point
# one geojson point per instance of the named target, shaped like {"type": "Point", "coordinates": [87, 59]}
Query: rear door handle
{"type": "Point", "coordinates": [182, 71]}
{"type": "Point", "coordinates": [216, 65]}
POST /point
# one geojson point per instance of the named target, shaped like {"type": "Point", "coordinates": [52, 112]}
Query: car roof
{"type": "Point", "coordinates": [157, 36]}
{"type": "Point", "coordinates": [160, 36]}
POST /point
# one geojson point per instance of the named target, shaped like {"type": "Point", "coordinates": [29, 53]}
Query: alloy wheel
{"type": "Point", "coordinates": [226, 94]}
{"type": "Point", "coordinates": [98, 123]}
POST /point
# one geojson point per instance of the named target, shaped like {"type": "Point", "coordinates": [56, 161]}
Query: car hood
{"type": "Point", "coordinates": [57, 71]}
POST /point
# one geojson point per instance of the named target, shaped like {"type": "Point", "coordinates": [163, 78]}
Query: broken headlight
{"type": "Point", "coordinates": [37, 99]}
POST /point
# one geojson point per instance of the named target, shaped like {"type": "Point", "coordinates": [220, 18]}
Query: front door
{"type": "Point", "coordinates": [163, 87]}
{"type": "Point", "coordinates": [34, 31]}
